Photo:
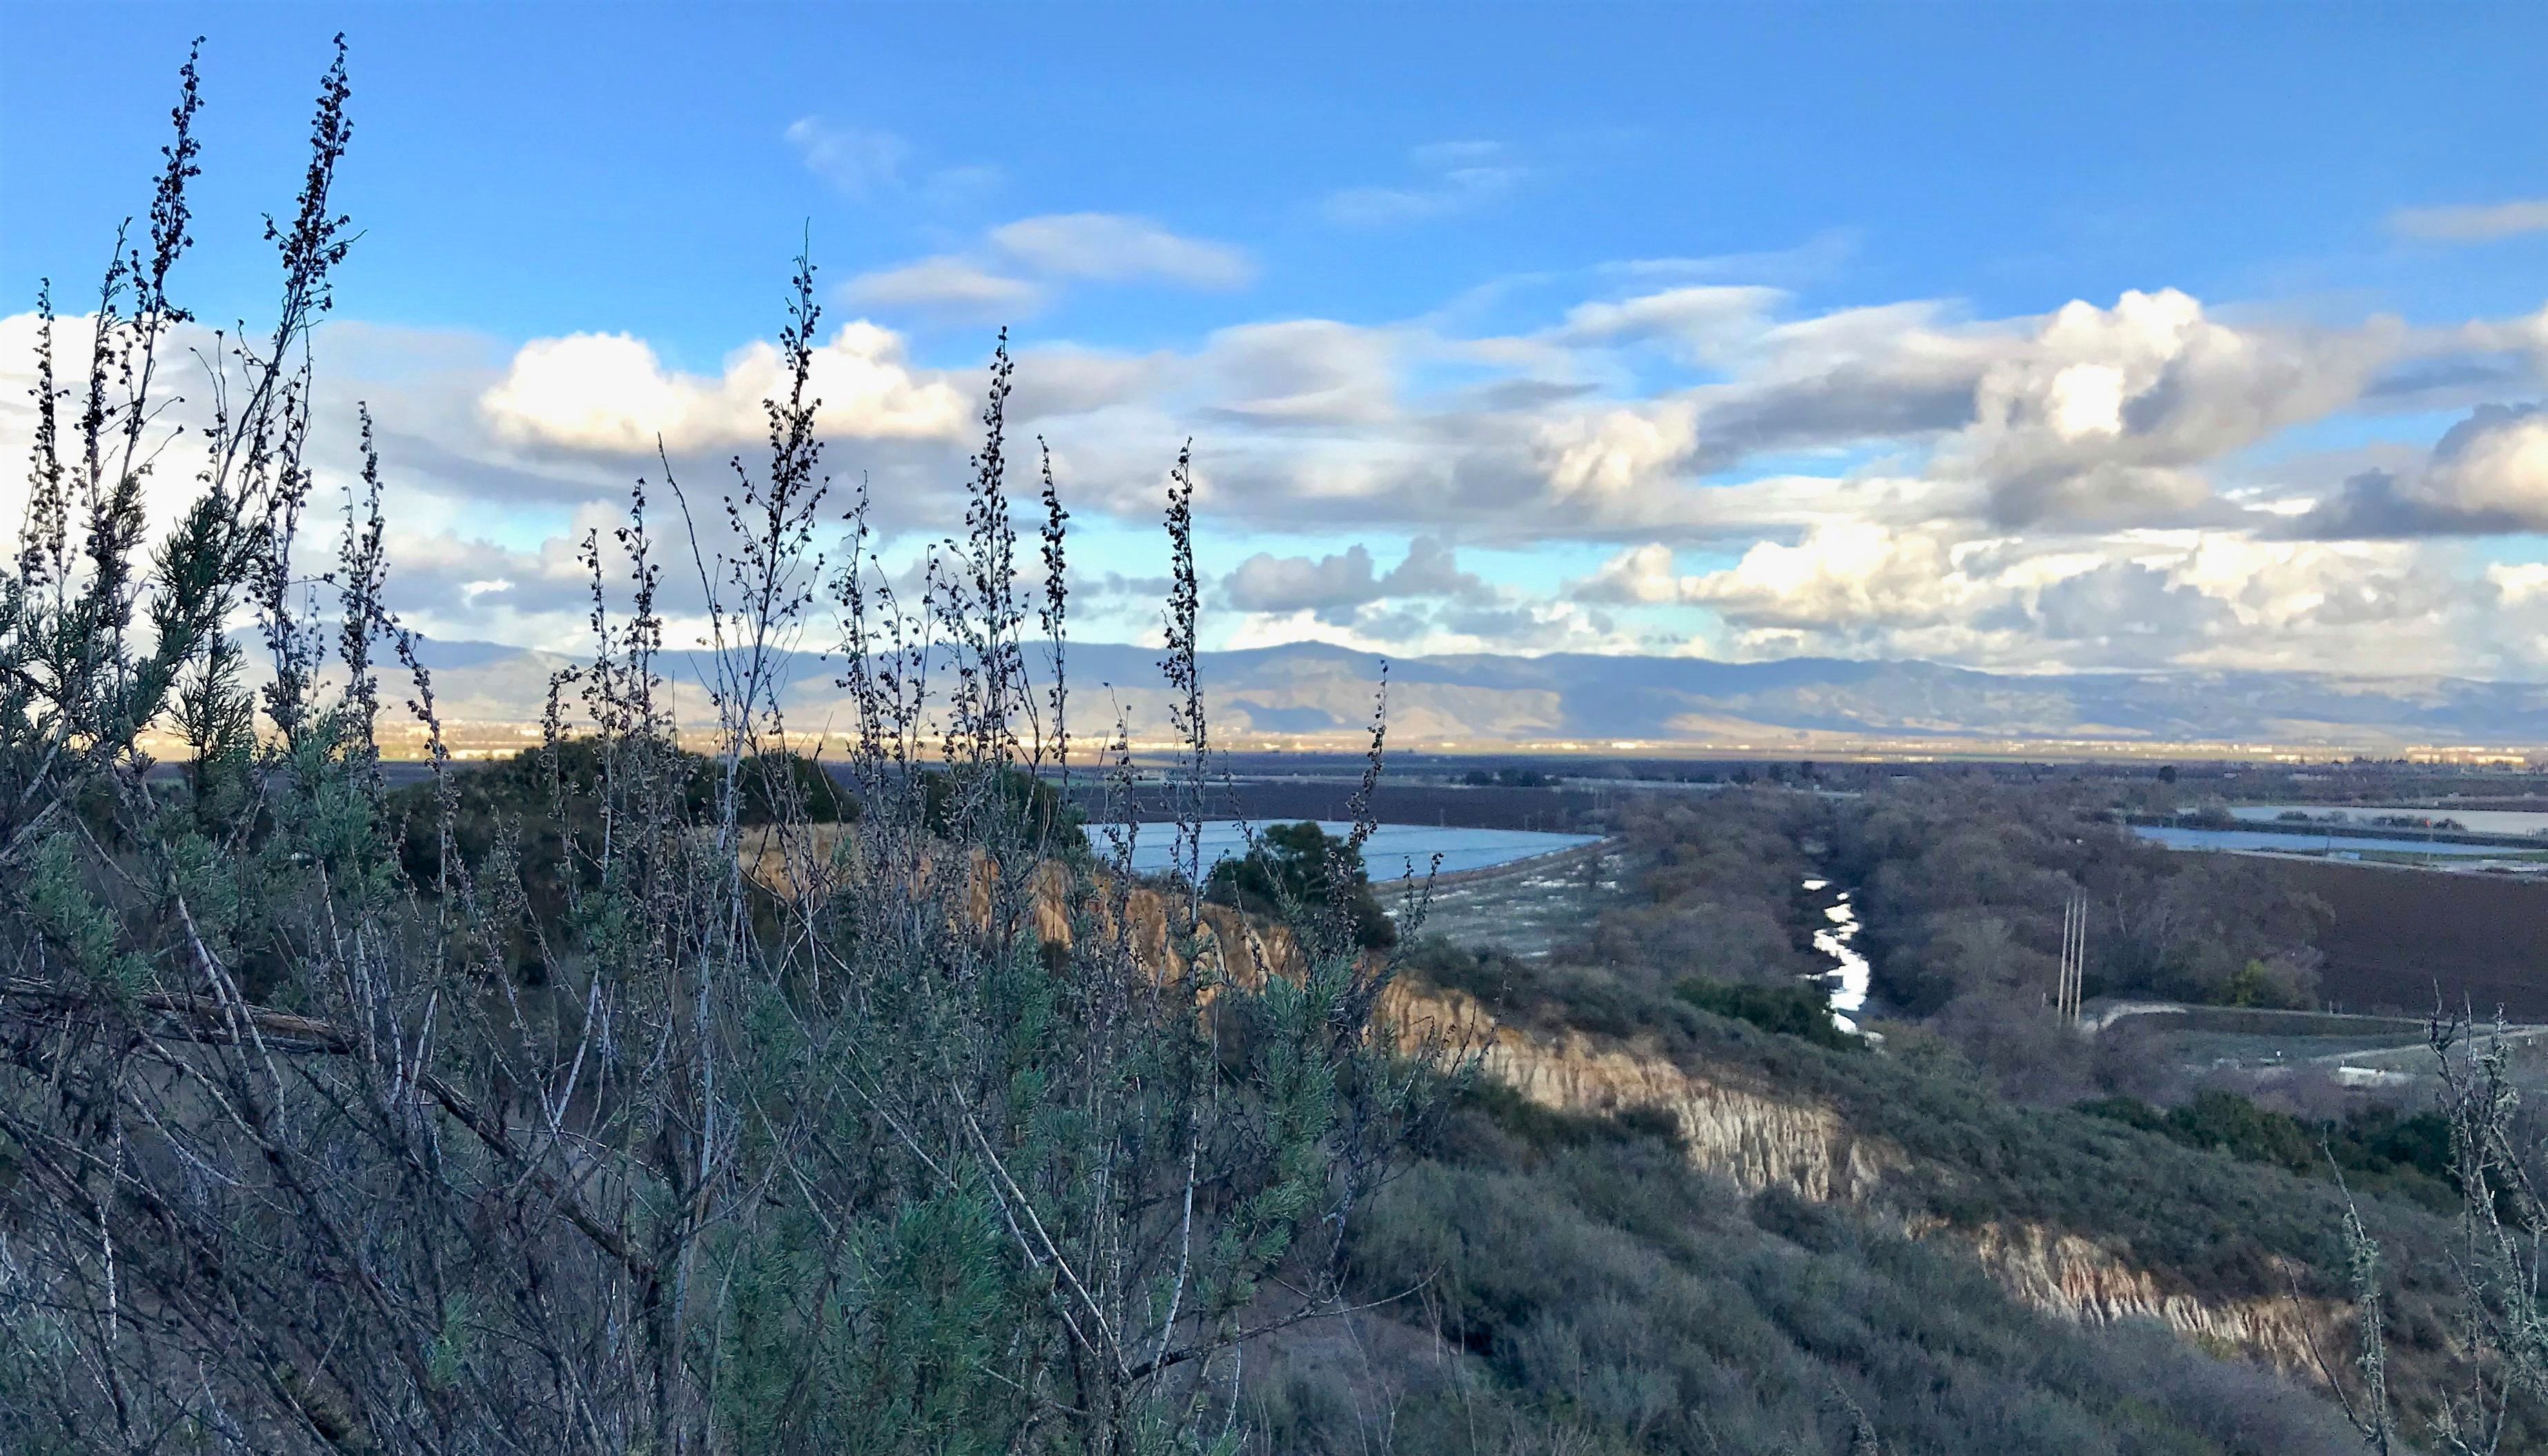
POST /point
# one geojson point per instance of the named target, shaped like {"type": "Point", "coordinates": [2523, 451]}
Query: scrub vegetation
{"type": "Point", "coordinates": [651, 1092]}
{"type": "Point", "coordinates": [668, 1092]}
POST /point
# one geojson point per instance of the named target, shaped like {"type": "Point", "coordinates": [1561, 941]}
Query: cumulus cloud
{"type": "Point", "coordinates": [2525, 335]}
{"type": "Point", "coordinates": [2105, 417]}
{"type": "Point", "coordinates": [1902, 374]}
{"type": "Point", "coordinates": [2488, 476]}
{"type": "Point", "coordinates": [1112, 248]}
{"type": "Point", "coordinates": [2176, 598]}
{"type": "Point", "coordinates": [2481, 222]}
{"type": "Point", "coordinates": [1286, 583]}
{"type": "Point", "coordinates": [454, 587]}
{"type": "Point", "coordinates": [1840, 577]}
{"type": "Point", "coordinates": [1334, 587]}
{"type": "Point", "coordinates": [2111, 415]}
{"type": "Point", "coordinates": [2076, 488]}
{"type": "Point", "coordinates": [1640, 576]}
{"type": "Point", "coordinates": [609, 392]}
{"type": "Point", "coordinates": [1607, 461]}
{"type": "Point", "coordinates": [2097, 417]}
{"type": "Point", "coordinates": [2108, 414]}
{"type": "Point", "coordinates": [2126, 612]}
{"type": "Point", "coordinates": [1426, 603]}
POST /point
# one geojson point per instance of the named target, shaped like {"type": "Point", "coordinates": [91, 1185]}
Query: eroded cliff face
{"type": "Point", "coordinates": [1756, 1135]}
{"type": "Point", "coordinates": [1758, 1139]}
{"type": "Point", "coordinates": [2079, 1279]}
{"type": "Point", "coordinates": [1232, 943]}
{"type": "Point", "coordinates": [1761, 1139]}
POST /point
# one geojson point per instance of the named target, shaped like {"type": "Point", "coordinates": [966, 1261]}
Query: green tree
{"type": "Point", "coordinates": [1295, 868]}
{"type": "Point", "coordinates": [1793, 1011]}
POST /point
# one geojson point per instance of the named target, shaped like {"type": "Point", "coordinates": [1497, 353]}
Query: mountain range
{"type": "Point", "coordinates": [1311, 695]}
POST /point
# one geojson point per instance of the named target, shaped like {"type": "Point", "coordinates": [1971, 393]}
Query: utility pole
{"type": "Point", "coordinates": [2074, 956]}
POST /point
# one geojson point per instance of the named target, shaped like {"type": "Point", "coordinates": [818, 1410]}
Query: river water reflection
{"type": "Point", "coordinates": [2178, 838]}
{"type": "Point", "coordinates": [1392, 851]}
{"type": "Point", "coordinates": [1849, 974]}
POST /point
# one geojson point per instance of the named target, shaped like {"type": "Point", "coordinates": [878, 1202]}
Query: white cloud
{"type": "Point", "coordinates": [1303, 372]}
{"type": "Point", "coordinates": [2088, 400]}
{"type": "Point", "coordinates": [2198, 597]}
{"type": "Point", "coordinates": [1640, 576]}
{"type": "Point", "coordinates": [2104, 417]}
{"type": "Point", "coordinates": [2497, 460]}
{"type": "Point", "coordinates": [1709, 323]}
{"type": "Point", "coordinates": [1112, 248]}
{"type": "Point", "coordinates": [1616, 464]}
{"type": "Point", "coordinates": [1017, 265]}
{"type": "Point", "coordinates": [1063, 380]}
{"type": "Point", "coordinates": [864, 161]}
{"type": "Point", "coordinates": [2526, 335]}
{"type": "Point", "coordinates": [2108, 414]}
{"type": "Point", "coordinates": [2488, 476]}
{"type": "Point", "coordinates": [2480, 223]}
{"type": "Point", "coordinates": [857, 161]}
{"type": "Point", "coordinates": [2078, 488]}
{"type": "Point", "coordinates": [1329, 587]}
{"type": "Point", "coordinates": [1456, 191]}
{"type": "Point", "coordinates": [1841, 577]}
{"type": "Point", "coordinates": [609, 392]}
{"type": "Point", "coordinates": [1817, 257]}
{"type": "Point", "coordinates": [1333, 588]}
{"type": "Point", "coordinates": [946, 284]}
{"type": "Point", "coordinates": [1420, 630]}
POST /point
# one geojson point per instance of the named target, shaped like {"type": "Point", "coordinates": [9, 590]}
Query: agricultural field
{"type": "Point", "coordinates": [2405, 939]}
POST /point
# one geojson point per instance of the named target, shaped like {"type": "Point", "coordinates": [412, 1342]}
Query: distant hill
{"type": "Point", "coordinates": [1312, 694]}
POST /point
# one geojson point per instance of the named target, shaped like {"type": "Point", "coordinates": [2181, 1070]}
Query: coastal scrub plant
{"type": "Point", "coordinates": [2498, 1267]}
{"type": "Point", "coordinates": [672, 1100]}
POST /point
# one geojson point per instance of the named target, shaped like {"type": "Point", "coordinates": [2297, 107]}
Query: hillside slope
{"type": "Point", "coordinates": [1845, 1237]}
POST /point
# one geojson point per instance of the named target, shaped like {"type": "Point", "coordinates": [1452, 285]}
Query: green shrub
{"type": "Point", "coordinates": [1601, 1296]}
{"type": "Point", "coordinates": [1791, 1011]}
{"type": "Point", "coordinates": [1299, 866]}
{"type": "Point", "coordinates": [2379, 1150]}
{"type": "Point", "coordinates": [511, 1112]}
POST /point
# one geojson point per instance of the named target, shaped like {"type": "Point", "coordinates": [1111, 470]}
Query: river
{"type": "Point", "coordinates": [1849, 974]}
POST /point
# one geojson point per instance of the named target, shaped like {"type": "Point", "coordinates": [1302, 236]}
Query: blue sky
{"type": "Point", "coordinates": [1603, 327]}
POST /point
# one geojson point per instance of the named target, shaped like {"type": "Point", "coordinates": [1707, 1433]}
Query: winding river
{"type": "Point", "coordinates": [1848, 979]}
